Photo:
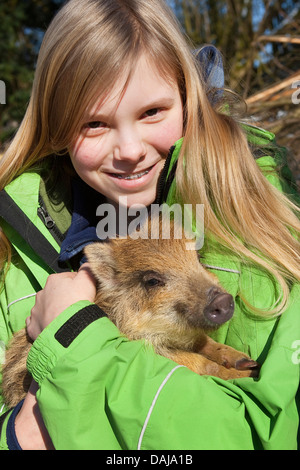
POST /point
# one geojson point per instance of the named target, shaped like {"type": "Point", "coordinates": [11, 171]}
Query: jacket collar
{"type": "Point", "coordinates": [83, 226]}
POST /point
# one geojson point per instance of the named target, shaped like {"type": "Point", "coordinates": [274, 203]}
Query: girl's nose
{"type": "Point", "coordinates": [130, 147]}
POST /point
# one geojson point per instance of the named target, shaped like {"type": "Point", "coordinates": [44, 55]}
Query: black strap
{"type": "Point", "coordinates": [77, 323]}
{"type": "Point", "coordinates": [19, 221]}
{"type": "Point", "coordinates": [2, 419]}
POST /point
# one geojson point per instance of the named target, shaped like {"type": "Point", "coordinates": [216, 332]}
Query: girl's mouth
{"type": "Point", "coordinates": [134, 176]}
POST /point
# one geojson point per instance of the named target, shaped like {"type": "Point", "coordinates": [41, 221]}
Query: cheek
{"type": "Point", "coordinates": [167, 135]}
{"type": "Point", "coordinates": [85, 155]}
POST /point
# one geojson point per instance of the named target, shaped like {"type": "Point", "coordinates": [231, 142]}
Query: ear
{"type": "Point", "coordinates": [100, 257]}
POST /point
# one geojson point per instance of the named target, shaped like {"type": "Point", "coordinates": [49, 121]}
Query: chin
{"type": "Point", "coordinates": [138, 201]}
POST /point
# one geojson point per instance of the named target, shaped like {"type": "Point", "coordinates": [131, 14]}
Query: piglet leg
{"type": "Point", "coordinates": [226, 356]}
{"type": "Point", "coordinates": [203, 366]}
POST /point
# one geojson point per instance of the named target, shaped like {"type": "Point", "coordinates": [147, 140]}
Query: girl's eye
{"type": "Point", "coordinates": [151, 112]}
{"type": "Point", "coordinates": [95, 124]}
{"type": "Point", "coordinates": [94, 128]}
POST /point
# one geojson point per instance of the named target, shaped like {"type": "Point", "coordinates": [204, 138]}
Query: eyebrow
{"type": "Point", "coordinates": [163, 102]}
{"type": "Point", "coordinates": [159, 103]}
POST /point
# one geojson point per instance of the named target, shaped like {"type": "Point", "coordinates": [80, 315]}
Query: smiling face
{"type": "Point", "coordinates": [125, 138]}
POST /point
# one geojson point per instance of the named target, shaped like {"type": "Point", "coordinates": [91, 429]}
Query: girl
{"type": "Point", "coordinates": [116, 87]}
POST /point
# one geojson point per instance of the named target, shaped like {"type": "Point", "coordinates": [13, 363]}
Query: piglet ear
{"type": "Point", "coordinates": [100, 257]}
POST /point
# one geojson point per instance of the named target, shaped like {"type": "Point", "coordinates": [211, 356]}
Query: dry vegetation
{"type": "Point", "coordinates": [277, 108]}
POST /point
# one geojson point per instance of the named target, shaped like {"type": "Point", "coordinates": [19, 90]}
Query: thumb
{"type": "Point", "coordinates": [86, 279]}
{"type": "Point", "coordinates": [85, 271]}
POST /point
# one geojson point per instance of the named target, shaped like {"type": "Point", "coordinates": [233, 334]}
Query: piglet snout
{"type": "Point", "coordinates": [220, 309]}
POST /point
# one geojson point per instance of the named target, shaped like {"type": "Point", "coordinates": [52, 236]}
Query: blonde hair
{"type": "Point", "coordinates": [86, 48]}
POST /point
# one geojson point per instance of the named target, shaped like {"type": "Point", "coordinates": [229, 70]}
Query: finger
{"type": "Point", "coordinates": [85, 267]}
{"type": "Point", "coordinates": [85, 272]}
{"type": "Point", "coordinates": [57, 277]}
{"type": "Point", "coordinates": [38, 297]}
{"type": "Point", "coordinates": [30, 329]}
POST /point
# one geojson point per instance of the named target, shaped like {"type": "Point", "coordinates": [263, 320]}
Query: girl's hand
{"type": "Point", "coordinates": [29, 425]}
{"type": "Point", "coordinates": [60, 292]}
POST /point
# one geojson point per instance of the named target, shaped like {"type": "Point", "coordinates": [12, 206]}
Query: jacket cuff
{"type": "Point", "coordinates": [59, 335]}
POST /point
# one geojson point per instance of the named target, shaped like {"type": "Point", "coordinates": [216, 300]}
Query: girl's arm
{"type": "Point", "coordinates": [30, 430]}
{"type": "Point", "coordinates": [61, 291]}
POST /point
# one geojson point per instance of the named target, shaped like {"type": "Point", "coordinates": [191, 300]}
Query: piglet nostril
{"type": "Point", "coordinates": [220, 309]}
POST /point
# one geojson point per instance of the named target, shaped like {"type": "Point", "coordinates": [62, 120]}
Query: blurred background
{"type": "Point", "coordinates": [259, 40]}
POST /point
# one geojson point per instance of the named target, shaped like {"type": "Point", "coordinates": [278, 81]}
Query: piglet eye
{"type": "Point", "coordinates": [152, 279]}
{"type": "Point", "coordinates": [152, 282]}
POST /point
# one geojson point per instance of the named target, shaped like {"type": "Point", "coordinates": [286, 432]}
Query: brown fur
{"type": "Point", "coordinates": [154, 290]}
{"type": "Point", "coordinates": [15, 379]}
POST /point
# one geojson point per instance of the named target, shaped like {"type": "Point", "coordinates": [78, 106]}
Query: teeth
{"type": "Point", "coordinates": [132, 177]}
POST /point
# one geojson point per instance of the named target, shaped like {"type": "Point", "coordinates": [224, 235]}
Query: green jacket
{"type": "Point", "coordinates": [105, 392]}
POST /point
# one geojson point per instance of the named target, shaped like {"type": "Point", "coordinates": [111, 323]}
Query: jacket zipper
{"type": "Point", "coordinates": [161, 184]}
{"type": "Point", "coordinates": [49, 222]}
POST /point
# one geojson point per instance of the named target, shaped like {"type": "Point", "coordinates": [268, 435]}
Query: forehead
{"type": "Point", "coordinates": [145, 82]}
{"type": "Point", "coordinates": [161, 254]}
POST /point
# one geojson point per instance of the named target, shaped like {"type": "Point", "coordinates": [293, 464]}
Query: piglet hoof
{"type": "Point", "coordinates": [246, 364]}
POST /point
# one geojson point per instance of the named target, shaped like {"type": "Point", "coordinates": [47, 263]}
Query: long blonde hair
{"type": "Point", "coordinates": [86, 48]}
